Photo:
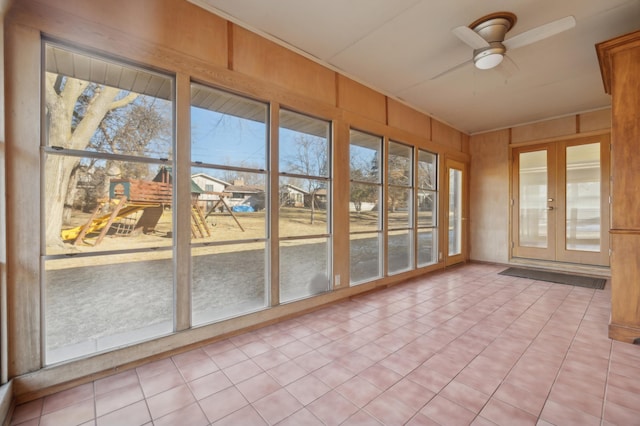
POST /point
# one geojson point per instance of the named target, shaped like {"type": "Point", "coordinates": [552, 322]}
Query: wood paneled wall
{"type": "Point", "coordinates": [179, 38]}
{"type": "Point", "coordinates": [490, 176]}
{"type": "Point", "coordinates": [489, 197]}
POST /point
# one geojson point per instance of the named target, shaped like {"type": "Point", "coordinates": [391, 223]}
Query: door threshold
{"type": "Point", "coordinates": [576, 268]}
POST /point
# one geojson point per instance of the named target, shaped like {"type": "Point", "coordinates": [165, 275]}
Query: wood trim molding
{"type": "Point", "coordinates": [623, 333]}
{"type": "Point", "coordinates": [624, 231]}
{"type": "Point", "coordinates": [607, 49]}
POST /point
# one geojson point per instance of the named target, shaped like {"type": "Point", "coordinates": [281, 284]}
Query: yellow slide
{"type": "Point", "coordinates": [100, 222]}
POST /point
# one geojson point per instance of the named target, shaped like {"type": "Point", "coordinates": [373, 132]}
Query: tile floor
{"type": "Point", "coordinates": [465, 346]}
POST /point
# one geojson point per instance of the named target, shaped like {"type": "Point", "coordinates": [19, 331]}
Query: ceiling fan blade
{"type": "Point", "coordinates": [470, 37]}
{"type": "Point", "coordinates": [452, 69]}
{"type": "Point", "coordinates": [540, 33]}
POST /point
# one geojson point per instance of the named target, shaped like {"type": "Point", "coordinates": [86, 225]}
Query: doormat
{"type": "Point", "coordinates": [556, 277]}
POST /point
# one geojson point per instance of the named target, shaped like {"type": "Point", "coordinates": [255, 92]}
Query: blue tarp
{"type": "Point", "coordinates": [244, 209]}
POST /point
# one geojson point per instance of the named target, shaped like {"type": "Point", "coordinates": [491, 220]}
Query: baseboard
{"type": "Point", "coordinates": [623, 333]}
{"type": "Point", "coordinates": [6, 403]}
{"type": "Point", "coordinates": [575, 268]}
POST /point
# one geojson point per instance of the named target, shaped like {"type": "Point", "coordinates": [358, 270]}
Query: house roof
{"type": "Point", "coordinates": [165, 174]}
{"type": "Point", "coordinates": [295, 188]}
{"type": "Point", "coordinates": [211, 178]}
{"type": "Point", "coordinates": [247, 189]}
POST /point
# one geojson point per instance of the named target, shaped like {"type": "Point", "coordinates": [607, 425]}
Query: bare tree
{"type": "Point", "coordinates": [310, 159]}
{"type": "Point", "coordinates": [81, 114]}
{"type": "Point", "coordinates": [363, 170]}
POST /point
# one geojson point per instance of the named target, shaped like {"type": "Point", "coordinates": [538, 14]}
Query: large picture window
{"type": "Point", "coordinates": [118, 192]}
{"type": "Point", "coordinates": [400, 208]}
{"type": "Point", "coordinates": [427, 208]}
{"type": "Point", "coordinates": [107, 204]}
{"type": "Point", "coordinates": [229, 194]}
{"type": "Point", "coordinates": [365, 210]}
{"type": "Point", "coordinates": [304, 212]}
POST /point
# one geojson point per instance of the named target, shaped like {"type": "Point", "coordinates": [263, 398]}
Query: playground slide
{"type": "Point", "coordinates": [100, 222]}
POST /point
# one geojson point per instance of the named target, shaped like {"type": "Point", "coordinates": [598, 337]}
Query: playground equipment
{"type": "Point", "coordinates": [222, 202]}
{"type": "Point", "coordinates": [136, 205]}
{"type": "Point", "coordinates": [102, 223]}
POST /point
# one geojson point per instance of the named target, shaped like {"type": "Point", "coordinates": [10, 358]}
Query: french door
{"type": "Point", "coordinates": [560, 201]}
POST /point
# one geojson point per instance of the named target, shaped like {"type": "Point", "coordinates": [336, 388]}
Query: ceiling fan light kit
{"type": "Point", "coordinates": [489, 57]}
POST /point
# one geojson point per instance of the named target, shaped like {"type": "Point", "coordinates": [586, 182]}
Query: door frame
{"type": "Point", "coordinates": [560, 253]}
{"type": "Point", "coordinates": [450, 163]}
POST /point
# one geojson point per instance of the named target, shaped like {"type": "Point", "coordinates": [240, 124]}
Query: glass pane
{"type": "Point", "coordinates": [228, 205]}
{"type": "Point", "coordinates": [455, 212]}
{"type": "Point", "coordinates": [427, 247]}
{"type": "Point", "coordinates": [365, 152]}
{"type": "Point", "coordinates": [304, 145]}
{"type": "Point", "coordinates": [223, 285]}
{"type": "Point", "coordinates": [303, 207]}
{"type": "Point", "coordinates": [97, 303]}
{"type": "Point", "coordinates": [400, 164]}
{"type": "Point", "coordinates": [399, 252]}
{"type": "Point", "coordinates": [227, 129]}
{"type": "Point", "coordinates": [399, 207]}
{"type": "Point", "coordinates": [97, 105]}
{"type": "Point", "coordinates": [105, 205]}
{"type": "Point", "coordinates": [427, 208]}
{"type": "Point", "coordinates": [304, 268]}
{"type": "Point", "coordinates": [533, 199]}
{"type": "Point", "coordinates": [583, 197]}
{"type": "Point", "coordinates": [427, 170]}
{"type": "Point", "coordinates": [364, 212]}
{"type": "Point", "coordinates": [365, 257]}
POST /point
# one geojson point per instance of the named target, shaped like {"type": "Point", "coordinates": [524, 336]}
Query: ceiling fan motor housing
{"type": "Point", "coordinates": [493, 28]}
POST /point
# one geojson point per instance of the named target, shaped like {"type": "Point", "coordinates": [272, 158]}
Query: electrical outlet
{"type": "Point", "coordinates": [336, 281]}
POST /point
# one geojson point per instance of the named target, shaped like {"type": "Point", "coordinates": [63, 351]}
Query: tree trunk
{"type": "Point", "coordinates": [313, 206]}
{"type": "Point", "coordinates": [57, 177]}
{"type": "Point", "coordinates": [58, 169]}
{"type": "Point", "coordinates": [70, 198]}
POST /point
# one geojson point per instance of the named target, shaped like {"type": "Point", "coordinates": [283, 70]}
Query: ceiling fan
{"type": "Point", "coordinates": [487, 37]}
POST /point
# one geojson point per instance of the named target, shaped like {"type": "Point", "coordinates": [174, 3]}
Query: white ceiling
{"type": "Point", "coordinates": [397, 47]}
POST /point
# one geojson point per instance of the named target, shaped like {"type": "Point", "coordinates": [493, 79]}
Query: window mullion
{"type": "Point", "coordinates": [182, 205]}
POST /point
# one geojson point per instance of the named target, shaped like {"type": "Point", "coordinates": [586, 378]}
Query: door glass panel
{"type": "Point", "coordinates": [455, 212]}
{"type": "Point", "coordinates": [533, 199]}
{"type": "Point", "coordinates": [583, 197]}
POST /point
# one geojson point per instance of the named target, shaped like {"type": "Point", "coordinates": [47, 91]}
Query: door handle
{"type": "Point", "coordinates": [550, 208]}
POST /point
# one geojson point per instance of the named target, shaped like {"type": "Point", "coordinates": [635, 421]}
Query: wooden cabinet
{"type": "Point", "coordinates": [620, 66]}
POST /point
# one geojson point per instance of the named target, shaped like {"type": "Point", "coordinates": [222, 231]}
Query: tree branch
{"type": "Point", "coordinates": [124, 101]}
